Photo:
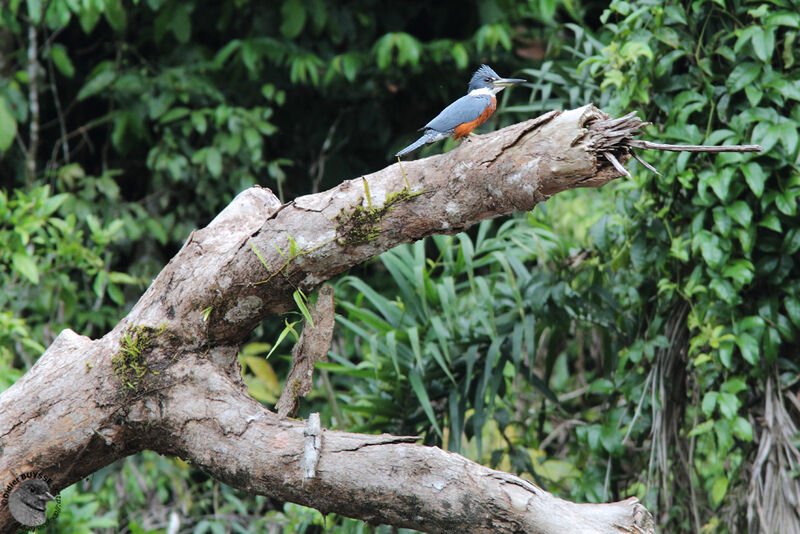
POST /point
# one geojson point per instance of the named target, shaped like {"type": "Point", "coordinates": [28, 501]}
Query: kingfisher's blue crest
{"type": "Point", "coordinates": [483, 78]}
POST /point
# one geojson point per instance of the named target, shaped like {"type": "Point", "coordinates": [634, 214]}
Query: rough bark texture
{"type": "Point", "coordinates": [166, 377]}
{"type": "Point", "coordinates": [313, 346]}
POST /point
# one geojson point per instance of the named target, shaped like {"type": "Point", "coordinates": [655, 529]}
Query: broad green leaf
{"type": "Point", "coordinates": [772, 222]}
{"type": "Point", "coordinates": [121, 124]}
{"type": "Point", "coordinates": [255, 348]}
{"type": "Point", "coordinates": [181, 23]}
{"type": "Point", "coordinates": [743, 74]}
{"type": "Point", "coordinates": [58, 53]}
{"type": "Point", "coordinates": [791, 242]}
{"type": "Point", "coordinates": [766, 135]}
{"type": "Point", "coordinates": [57, 15]}
{"type": "Point", "coordinates": [115, 293]}
{"type": "Point", "coordinates": [749, 347]}
{"type": "Point", "coordinates": [784, 18]}
{"type": "Point", "coordinates": [786, 88]}
{"type": "Point", "coordinates": [709, 247]}
{"type": "Point", "coordinates": [718, 490]}
{"type": "Point", "coordinates": [157, 229]}
{"type": "Point", "coordinates": [722, 221]}
{"type": "Point", "coordinates": [742, 428]}
{"type": "Point", "coordinates": [251, 56]}
{"type": "Point", "coordinates": [754, 94]}
{"type": "Point", "coordinates": [702, 428]}
{"type": "Point", "coordinates": [54, 202]}
{"type": "Point", "coordinates": [173, 115]}
{"type": "Point", "coordinates": [34, 10]}
{"type": "Point", "coordinates": [724, 290]}
{"type": "Point", "coordinates": [740, 212]}
{"type": "Point", "coordinates": [460, 55]}
{"type": "Point", "coordinates": [611, 439]}
{"type": "Point", "coordinates": [89, 15]}
{"type": "Point", "coordinates": [214, 161]}
{"type": "Point", "coordinates": [26, 266]}
{"type": "Point", "coordinates": [408, 49]}
{"type": "Point", "coordinates": [225, 52]}
{"type": "Point", "coordinates": [733, 385]}
{"type": "Point", "coordinates": [728, 405]}
{"type": "Point", "coordinates": [293, 18]}
{"type": "Point", "coordinates": [786, 202]}
{"type": "Point", "coordinates": [158, 105]}
{"type": "Point", "coordinates": [720, 136]}
{"type": "Point", "coordinates": [8, 126]}
{"type": "Point", "coordinates": [763, 42]}
{"type": "Point", "coordinates": [721, 182]}
{"type": "Point", "coordinates": [94, 224]}
{"type": "Point", "coordinates": [679, 249]}
{"type": "Point", "coordinates": [787, 133]}
{"type": "Point", "coordinates": [101, 79]}
{"type": "Point", "coordinates": [744, 37]}
{"type": "Point", "coordinates": [739, 270]}
{"type": "Point", "coordinates": [755, 177]}
{"type": "Point", "coordinates": [319, 15]}
{"type": "Point", "coordinates": [751, 322]}
{"type": "Point", "coordinates": [792, 306]}
{"type": "Point", "coordinates": [725, 353]}
{"type": "Point", "coordinates": [665, 62]}
{"type": "Point", "coordinates": [350, 66]}
{"type": "Point", "coordinates": [122, 278]}
{"type": "Point", "coordinates": [709, 403]}
{"type": "Point", "coordinates": [115, 14]}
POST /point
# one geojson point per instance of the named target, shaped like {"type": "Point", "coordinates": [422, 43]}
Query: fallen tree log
{"type": "Point", "coordinates": [166, 378]}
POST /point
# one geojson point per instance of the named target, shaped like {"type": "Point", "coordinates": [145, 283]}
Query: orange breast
{"type": "Point", "coordinates": [465, 128]}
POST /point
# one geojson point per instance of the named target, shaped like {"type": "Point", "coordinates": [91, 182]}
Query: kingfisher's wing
{"type": "Point", "coordinates": [465, 109]}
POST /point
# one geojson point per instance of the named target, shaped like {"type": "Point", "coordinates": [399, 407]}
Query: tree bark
{"type": "Point", "coordinates": [166, 378]}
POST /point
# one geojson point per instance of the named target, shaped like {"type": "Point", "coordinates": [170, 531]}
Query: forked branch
{"type": "Point", "coordinates": [74, 413]}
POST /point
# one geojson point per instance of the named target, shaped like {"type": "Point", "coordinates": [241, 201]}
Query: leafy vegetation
{"type": "Point", "coordinates": [719, 235]}
{"type": "Point", "coordinates": [637, 340]}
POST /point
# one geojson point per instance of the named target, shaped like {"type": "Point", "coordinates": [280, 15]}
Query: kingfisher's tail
{"type": "Point", "coordinates": [413, 146]}
{"type": "Point", "coordinates": [428, 137]}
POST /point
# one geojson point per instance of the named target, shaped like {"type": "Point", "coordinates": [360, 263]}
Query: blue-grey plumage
{"type": "Point", "coordinates": [468, 112]}
{"type": "Point", "coordinates": [430, 136]}
{"type": "Point", "coordinates": [464, 110]}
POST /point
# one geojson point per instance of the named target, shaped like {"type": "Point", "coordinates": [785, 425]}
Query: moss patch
{"type": "Point", "coordinates": [296, 386]}
{"type": "Point", "coordinates": [362, 225]}
{"type": "Point", "coordinates": [128, 363]}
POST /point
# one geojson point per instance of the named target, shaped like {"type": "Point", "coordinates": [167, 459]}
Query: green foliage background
{"type": "Point", "coordinates": [637, 340]}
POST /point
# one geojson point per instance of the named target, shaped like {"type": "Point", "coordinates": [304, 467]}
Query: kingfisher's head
{"type": "Point", "coordinates": [485, 79]}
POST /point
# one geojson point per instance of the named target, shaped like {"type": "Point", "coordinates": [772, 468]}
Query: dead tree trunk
{"type": "Point", "coordinates": [166, 378]}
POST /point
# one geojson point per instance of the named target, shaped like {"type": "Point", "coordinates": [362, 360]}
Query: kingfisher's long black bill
{"type": "Point", "coordinates": [507, 82]}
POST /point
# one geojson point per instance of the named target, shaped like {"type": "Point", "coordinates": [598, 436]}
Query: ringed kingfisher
{"type": "Point", "coordinates": [468, 112]}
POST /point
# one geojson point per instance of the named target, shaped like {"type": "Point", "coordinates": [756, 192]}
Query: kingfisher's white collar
{"type": "Point", "coordinates": [485, 91]}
